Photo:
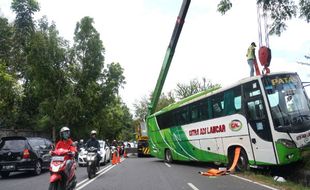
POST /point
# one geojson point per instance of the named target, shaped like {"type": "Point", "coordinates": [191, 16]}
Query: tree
{"type": "Point", "coordinates": [47, 76]}
{"type": "Point", "coordinates": [96, 87]}
{"type": "Point", "coordinates": [87, 63]}
{"type": "Point", "coordinates": [10, 98]}
{"type": "Point", "coordinates": [24, 28]}
{"type": "Point", "coordinates": [194, 86]}
{"type": "Point", "coordinates": [141, 107]}
{"type": "Point", "coordinates": [280, 11]}
{"type": "Point", "coordinates": [6, 35]}
{"type": "Point", "coordinates": [115, 119]}
{"type": "Point", "coordinates": [24, 24]}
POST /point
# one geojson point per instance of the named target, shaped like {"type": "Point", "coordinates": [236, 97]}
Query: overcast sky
{"type": "Point", "coordinates": [137, 33]}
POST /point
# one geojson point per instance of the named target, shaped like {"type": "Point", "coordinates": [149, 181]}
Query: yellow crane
{"type": "Point", "coordinates": [142, 140]}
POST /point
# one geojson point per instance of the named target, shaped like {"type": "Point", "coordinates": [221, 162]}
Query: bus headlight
{"type": "Point", "coordinates": [287, 143]}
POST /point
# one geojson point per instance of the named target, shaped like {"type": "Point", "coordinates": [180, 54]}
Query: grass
{"type": "Point", "coordinates": [268, 180]}
{"type": "Point", "coordinates": [306, 159]}
{"type": "Point", "coordinates": [264, 177]}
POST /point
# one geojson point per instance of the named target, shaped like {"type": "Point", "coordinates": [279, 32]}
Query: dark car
{"type": "Point", "coordinates": [24, 154]}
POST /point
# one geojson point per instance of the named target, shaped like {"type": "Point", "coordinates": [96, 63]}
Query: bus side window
{"type": "Point", "coordinates": [194, 113]}
{"type": "Point", "coordinates": [203, 110]}
{"type": "Point", "coordinates": [232, 101]}
{"type": "Point", "coordinates": [182, 116]}
{"type": "Point", "coordinates": [218, 105]}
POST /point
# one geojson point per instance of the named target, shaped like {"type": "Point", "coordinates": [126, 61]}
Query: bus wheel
{"type": "Point", "coordinates": [243, 162]}
{"type": "Point", "coordinates": [168, 156]}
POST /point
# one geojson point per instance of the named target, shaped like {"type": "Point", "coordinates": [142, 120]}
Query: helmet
{"type": "Point", "coordinates": [253, 44]}
{"type": "Point", "coordinates": [64, 133]}
{"type": "Point", "coordinates": [81, 141]}
{"type": "Point", "coordinates": [93, 132]}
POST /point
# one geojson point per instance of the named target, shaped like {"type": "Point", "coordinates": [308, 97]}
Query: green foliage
{"type": "Point", "coordinates": [6, 35]}
{"type": "Point", "coordinates": [305, 9]}
{"type": "Point", "coordinates": [280, 12]}
{"type": "Point", "coordinates": [10, 97]}
{"type": "Point", "coordinates": [24, 24]}
{"type": "Point", "coordinates": [141, 107]}
{"type": "Point", "coordinates": [224, 6]}
{"type": "Point", "coordinates": [46, 84]}
{"type": "Point", "coordinates": [184, 90]}
{"type": "Point", "coordinates": [96, 86]}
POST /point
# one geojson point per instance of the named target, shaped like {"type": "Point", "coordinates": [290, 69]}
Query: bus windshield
{"type": "Point", "coordinates": [288, 102]}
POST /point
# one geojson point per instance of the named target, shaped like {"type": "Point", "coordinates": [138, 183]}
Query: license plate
{"type": "Point", "coordinates": [8, 167]}
{"type": "Point", "coordinates": [58, 158]}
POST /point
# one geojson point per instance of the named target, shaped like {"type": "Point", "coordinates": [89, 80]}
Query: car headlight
{"type": "Point", "coordinates": [287, 143]}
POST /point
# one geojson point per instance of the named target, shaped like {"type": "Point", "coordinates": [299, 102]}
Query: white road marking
{"type": "Point", "coordinates": [248, 180]}
{"type": "Point", "coordinates": [192, 186]}
{"type": "Point", "coordinates": [88, 181]}
{"type": "Point", "coordinates": [78, 184]}
{"type": "Point", "coordinates": [169, 166]}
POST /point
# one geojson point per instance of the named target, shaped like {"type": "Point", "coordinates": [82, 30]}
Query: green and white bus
{"type": "Point", "coordinates": [268, 116]}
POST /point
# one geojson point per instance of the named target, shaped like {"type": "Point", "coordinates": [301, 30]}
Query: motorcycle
{"type": "Point", "coordinates": [62, 170]}
{"type": "Point", "coordinates": [91, 162]}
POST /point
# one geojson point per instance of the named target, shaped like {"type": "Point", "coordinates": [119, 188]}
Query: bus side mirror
{"type": "Point", "coordinates": [305, 84]}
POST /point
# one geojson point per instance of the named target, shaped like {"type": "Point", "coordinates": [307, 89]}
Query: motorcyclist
{"type": "Point", "coordinates": [93, 142]}
{"type": "Point", "coordinates": [114, 143]}
{"type": "Point", "coordinates": [65, 142]}
{"type": "Point", "coordinates": [80, 145]}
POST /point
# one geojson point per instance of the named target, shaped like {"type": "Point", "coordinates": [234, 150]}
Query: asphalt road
{"type": "Point", "coordinates": [138, 174]}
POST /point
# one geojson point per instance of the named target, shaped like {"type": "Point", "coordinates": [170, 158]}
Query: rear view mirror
{"type": "Point", "coordinates": [305, 84]}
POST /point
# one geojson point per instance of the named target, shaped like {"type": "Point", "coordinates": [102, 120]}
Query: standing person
{"type": "Point", "coordinates": [93, 142]}
{"type": "Point", "coordinates": [251, 57]}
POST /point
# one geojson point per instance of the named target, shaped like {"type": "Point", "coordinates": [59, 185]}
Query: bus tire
{"type": "Point", "coordinates": [243, 161]}
{"type": "Point", "coordinates": [168, 156]}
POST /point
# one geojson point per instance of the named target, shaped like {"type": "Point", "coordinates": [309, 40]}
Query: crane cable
{"type": "Point", "coordinates": [264, 52]}
{"type": "Point", "coordinates": [261, 13]}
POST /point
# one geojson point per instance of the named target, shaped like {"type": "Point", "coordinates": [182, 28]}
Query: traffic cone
{"type": "Point", "coordinates": [125, 154]}
{"type": "Point", "coordinates": [114, 159]}
{"type": "Point", "coordinates": [118, 158]}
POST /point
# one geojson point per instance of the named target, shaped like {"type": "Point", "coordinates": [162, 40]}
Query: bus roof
{"type": "Point", "coordinates": [211, 91]}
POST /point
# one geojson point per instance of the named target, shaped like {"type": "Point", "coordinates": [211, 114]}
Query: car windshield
{"type": "Point", "coordinates": [13, 145]}
{"type": "Point", "coordinates": [102, 144]}
{"type": "Point", "coordinates": [289, 104]}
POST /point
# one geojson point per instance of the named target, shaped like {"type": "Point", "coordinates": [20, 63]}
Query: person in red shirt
{"type": "Point", "coordinates": [65, 140]}
{"type": "Point", "coordinates": [66, 143]}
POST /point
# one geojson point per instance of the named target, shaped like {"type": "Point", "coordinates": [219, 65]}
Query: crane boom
{"type": "Point", "coordinates": [168, 57]}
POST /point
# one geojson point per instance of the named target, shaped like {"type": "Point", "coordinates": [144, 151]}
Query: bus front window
{"type": "Point", "coordinates": [289, 105]}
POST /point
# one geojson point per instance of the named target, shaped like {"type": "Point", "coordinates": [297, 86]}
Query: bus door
{"type": "Point", "coordinates": [258, 125]}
